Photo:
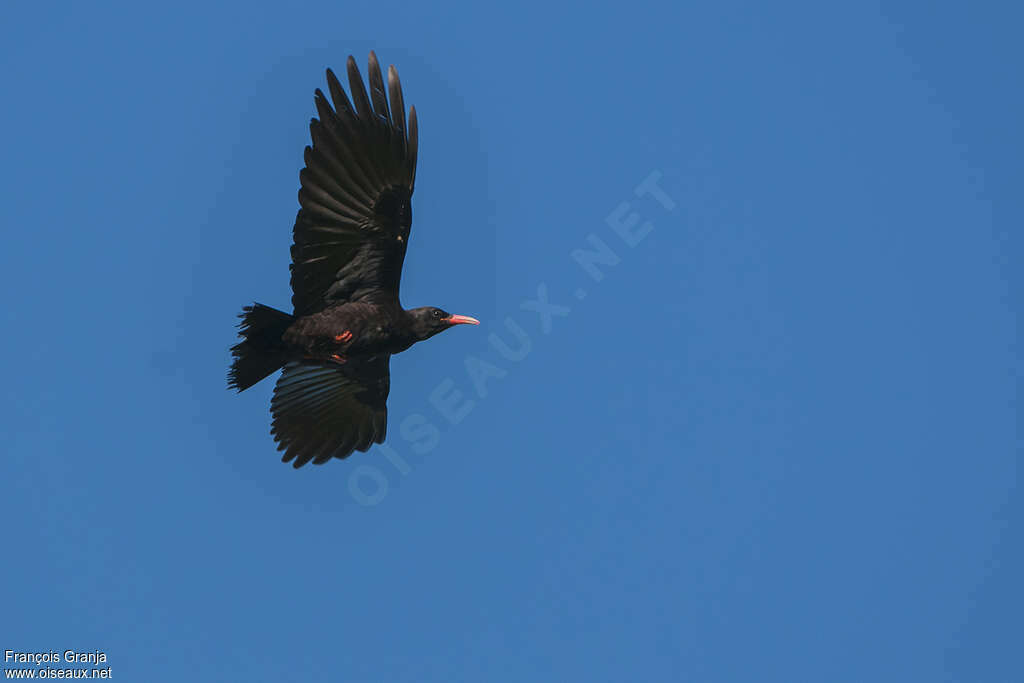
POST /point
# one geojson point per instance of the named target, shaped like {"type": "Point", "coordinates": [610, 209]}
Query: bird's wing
{"type": "Point", "coordinates": [351, 233]}
{"type": "Point", "coordinates": [322, 411]}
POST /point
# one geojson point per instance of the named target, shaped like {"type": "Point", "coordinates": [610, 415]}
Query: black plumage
{"type": "Point", "coordinates": [349, 244]}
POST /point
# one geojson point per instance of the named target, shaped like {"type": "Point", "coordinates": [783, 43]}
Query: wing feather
{"type": "Point", "coordinates": [320, 412]}
{"type": "Point", "coordinates": [398, 113]}
{"type": "Point", "coordinates": [358, 90]}
{"type": "Point", "coordinates": [377, 92]}
{"type": "Point", "coordinates": [355, 193]}
{"type": "Point", "coordinates": [413, 146]}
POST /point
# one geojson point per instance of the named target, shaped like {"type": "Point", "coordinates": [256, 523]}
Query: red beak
{"type": "Point", "coordinates": [462, 320]}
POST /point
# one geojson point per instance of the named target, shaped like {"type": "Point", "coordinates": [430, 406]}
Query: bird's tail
{"type": "Point", "coordinates": [261, 351]}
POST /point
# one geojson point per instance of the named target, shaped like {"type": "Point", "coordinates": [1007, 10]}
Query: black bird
{"type": "Point", "coordinates": [350, 238]}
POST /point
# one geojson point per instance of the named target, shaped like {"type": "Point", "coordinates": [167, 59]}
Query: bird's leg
{"type": "Point", "coordinates": [343, 337]}
{"type": "Point", "coordinates": [340, 360]}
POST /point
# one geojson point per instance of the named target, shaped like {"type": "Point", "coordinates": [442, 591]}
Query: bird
{"type": "Point", "coordinates": [349, 243]}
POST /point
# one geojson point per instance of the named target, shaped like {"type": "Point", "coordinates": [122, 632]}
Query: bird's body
{"type": "Point", "coordinates": [350, 239]}
{"type": "Point", "coordinates": [353, 329]}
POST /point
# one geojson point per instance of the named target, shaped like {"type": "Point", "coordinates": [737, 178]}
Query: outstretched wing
{"type": "Point", "coordinates": [351, 232]}
{"type": "Point", "coordinates": [322, 411]}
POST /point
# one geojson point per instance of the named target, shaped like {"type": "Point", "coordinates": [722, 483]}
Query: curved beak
{"type": "Point", "coordinates": [461, 320]}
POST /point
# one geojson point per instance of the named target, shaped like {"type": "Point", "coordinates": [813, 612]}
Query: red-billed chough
{"type": "Point", "coordinates": [350, 238]}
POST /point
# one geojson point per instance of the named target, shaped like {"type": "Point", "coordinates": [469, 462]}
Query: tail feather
{"type": "Point", "coordinates": [261, 351]}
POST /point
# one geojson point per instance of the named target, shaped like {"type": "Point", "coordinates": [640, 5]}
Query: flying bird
{"type": "Point", "coordinates": [349, 243]}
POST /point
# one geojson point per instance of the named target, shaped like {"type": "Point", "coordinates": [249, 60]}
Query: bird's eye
{"type": "Point", "coordinates": [437, 313]}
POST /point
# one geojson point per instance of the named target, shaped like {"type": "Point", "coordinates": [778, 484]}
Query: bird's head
{"type": "Point", "coordinates": [428, 321]}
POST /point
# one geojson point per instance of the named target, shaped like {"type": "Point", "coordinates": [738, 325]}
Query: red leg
{"type": "Point", "coordinates": [343, 337]}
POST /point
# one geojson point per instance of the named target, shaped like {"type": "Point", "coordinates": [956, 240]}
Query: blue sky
{"type": "Point", "coordinates": [778, 440]}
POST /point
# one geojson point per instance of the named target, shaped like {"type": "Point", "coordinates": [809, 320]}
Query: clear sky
{"type": "Point", "coordinates": [772, 434]}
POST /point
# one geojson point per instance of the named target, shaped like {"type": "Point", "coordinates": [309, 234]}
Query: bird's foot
{"type": "Point", "coordinates": [340, 360]}
{"type": "Point", "coordinates": [343, 337]}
